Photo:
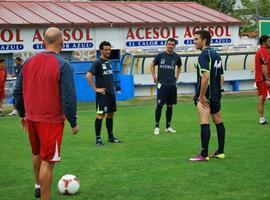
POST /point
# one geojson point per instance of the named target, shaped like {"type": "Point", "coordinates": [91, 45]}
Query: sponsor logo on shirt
{"type": "Point", "coordinates": [107, 72]}
{"type": "Point", "coordinates": [163, 66]}
{"type": "Point", "coordinates": [167, 67]}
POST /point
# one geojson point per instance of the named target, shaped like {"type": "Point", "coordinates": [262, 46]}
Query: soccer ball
{"type": "Point", "coordinates": [68, 184]}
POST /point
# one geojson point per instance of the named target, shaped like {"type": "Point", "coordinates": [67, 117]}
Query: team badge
{"type": "Point", "coordinates": [104, 66]}
{"type": "Point", "coordinates": [162, 62]}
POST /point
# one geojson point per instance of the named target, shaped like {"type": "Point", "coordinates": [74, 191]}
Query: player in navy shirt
{"type": "Point", "coordinates": [208, 95]}
{"type": "Point", "coordinates": [105, 95]}
{"type": "Point", "coordinates": [166, 78]}
{"type": "Point", "coordinates": [18, 68]}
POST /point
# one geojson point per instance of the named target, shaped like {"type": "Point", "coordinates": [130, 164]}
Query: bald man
{"type": "Point", "coordinates": [45, 96]}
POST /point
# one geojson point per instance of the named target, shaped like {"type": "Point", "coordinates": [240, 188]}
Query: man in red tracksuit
{"type": "Point", "coordinates": [44, 96]}
{"type": "Point", "coordinates": [3, 78]}
{"type": "Point", "coordinates": [262, 61]}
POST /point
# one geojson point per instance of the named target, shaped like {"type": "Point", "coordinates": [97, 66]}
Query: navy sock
{"type": "Point", "coordinates": [98, 124]}
{"type": "Point", "coordinates": [221, 137]}
{"type": "Point", "coordinates": [109, 125]}
{"type": "Point", "coordinates": [205, 137]}
{"type": "Point", "coordinates": [168, 116]}
{"type": "Point", "coordinates": [158, 114]}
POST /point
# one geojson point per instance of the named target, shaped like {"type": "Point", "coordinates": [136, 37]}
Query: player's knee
{"type": "Point", "coordinates": [109, 115]}
{"type": "Point", "coordinates": [217, 119]}
{"type": "Point", "coordinates": [99, 116]}
{"type": "Point", "coordinates": [47, 165]}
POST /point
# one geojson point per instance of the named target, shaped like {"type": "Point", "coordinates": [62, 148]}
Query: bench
{"type": "Point", "coordinates": [187, 82]}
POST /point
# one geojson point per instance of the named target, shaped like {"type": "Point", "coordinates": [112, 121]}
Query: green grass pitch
{"type": "Point", "coordinates": [146, 166]}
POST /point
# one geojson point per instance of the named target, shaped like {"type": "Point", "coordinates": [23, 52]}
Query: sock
{"type": "Point", "coordinates": [109, 125]}
{"type": "Point", "coordinates": [37, 186]}
{"type": "Point", "coordinates": [205, 137]}
{"type": "Point", "coordinates": [221, 137]}
{"type": "Point", "coordinates": [98, 124]}
{"type": "Point", "coordinates": [158, 114]}
{"type": "Point", "coordinates": [168, 116]}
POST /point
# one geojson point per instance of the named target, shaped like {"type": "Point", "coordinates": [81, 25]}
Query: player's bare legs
{"type": "Point", "coordinates": [99, 116]}
{"type": "Point", "coordinates": [36, 167]}
{"type": "Point", "coordinates": [109, 115]}
{"type": "Point", "coordinates": [261, 101]}
{"type": "Point", "coordinates": [216, 117]}
{"type": "Point", "coordinates": [45, 178]}
{"type": "Point", "coordinates": [204, 113]}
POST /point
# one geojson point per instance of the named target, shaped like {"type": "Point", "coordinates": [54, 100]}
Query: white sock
{"type": "Point", "coordinates": [37, 186]}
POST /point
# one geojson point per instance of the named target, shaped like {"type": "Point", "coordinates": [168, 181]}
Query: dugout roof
{"type": "Point", "coordinates": [108, 13]}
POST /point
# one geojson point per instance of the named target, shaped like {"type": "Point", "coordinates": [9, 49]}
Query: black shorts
{"type": "Point", "coordinates": [214, 105]}
{"type": "Point", "coordinates": [166, 94]}
{"type": "Point", "coordinates": [105, 103]}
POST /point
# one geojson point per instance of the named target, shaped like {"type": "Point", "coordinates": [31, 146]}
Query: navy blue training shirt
{"type": "Point", "coordinates": [210, 61]}
{"type": "Point", "coordinates": [166, 67]}
{"type": "Point", "coordinates": [102, 69]}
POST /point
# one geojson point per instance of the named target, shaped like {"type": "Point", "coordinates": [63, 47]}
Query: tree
{"type": "Point", "coordinates": [248, 14]}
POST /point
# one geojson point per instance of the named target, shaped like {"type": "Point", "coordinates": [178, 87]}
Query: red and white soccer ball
{"type": "Point", "coordinates": [68, 184]}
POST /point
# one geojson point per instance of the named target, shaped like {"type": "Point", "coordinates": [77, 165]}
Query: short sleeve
{"type": "Point", "coordinates": [221, 70]}
{"type": "Point", "coordinates": [94, 68]}
{"type": "Point", "coordinates": [264, 56]}
{"type": "Point", "coordinates": [204, 61]}
{"type": "Point", "coordinates": [156, 60]}
{"type": "Point", "coordinates": [179, 62]}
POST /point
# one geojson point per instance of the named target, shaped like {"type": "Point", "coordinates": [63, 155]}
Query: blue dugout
{"type": "Point", "coordinates": [124, 83]}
